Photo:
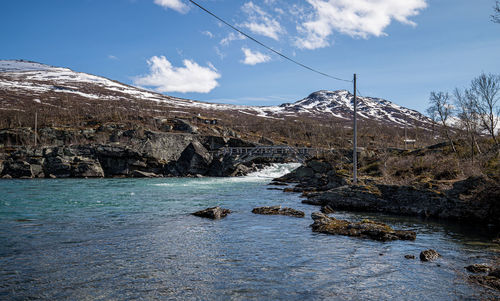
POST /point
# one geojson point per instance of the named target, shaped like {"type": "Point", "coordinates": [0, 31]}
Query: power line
{"type": "Point", "coordinates": [267, 47]}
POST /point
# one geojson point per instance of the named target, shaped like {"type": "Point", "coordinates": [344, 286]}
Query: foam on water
{"type": "Point", "coordinates": [266, 174]}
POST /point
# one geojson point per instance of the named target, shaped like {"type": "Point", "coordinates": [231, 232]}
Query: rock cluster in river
{"type": "Point", "coordinates": [473, 200]}
{"type": "Point", "coordinates": [365, 228]}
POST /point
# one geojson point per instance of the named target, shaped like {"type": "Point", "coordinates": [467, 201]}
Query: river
{"type": "Point", "coordinates": [123, 239]}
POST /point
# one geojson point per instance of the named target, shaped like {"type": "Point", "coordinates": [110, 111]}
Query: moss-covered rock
{"type": "Point", "coordinates": [278, 210]}
{"type": "Point", "coordinates": [365, 228]}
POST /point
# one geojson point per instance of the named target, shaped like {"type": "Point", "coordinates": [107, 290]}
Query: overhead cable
{"type": "Point", "coordinates": [267, 47]}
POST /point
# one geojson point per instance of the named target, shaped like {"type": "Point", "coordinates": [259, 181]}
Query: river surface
{"type": "Point", "coordinates": [123, 239]}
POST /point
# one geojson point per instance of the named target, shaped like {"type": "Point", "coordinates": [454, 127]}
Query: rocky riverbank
{"type": "Point", "coordinates": [112, 151]}
{"type": "Point", "coordinates": [472, 200]}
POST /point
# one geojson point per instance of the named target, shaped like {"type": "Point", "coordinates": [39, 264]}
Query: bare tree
{"type": "Point", "coordinates": [485, 90]}
{"type": "Point", "coordinates": [442, 110]}
{"type": "Point", "coordinates": [496, 15]}
{"type": "Point", "coordinates": [468, 116]}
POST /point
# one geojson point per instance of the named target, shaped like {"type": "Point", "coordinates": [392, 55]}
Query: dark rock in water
{"type": "Point", "coordinates": [240, 170]}
{"type": "Point", "coordinates": [277, 210]}
{"type": "Point", "coordinates": [278, 184]}
{"type": "Point", "coordinates": [365, 228]}
{"type": "Point", "coordinates": [144, 174]}
{"type": "Point", "coordinates": [213, 213]}
{"type": "Point", "coordinates": [410, 256]}
{"type": "Point", "coordinates": [327, 209]}
{"type": "Point", "coordinates": [478, 268]}
{"type": "Point", "coordinates": [274, 188]}
{"type": "Point", "coordinates": [429, 255]}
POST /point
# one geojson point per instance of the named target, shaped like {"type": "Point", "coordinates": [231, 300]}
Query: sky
{"type": "Point", "coordinates": [400, 50]}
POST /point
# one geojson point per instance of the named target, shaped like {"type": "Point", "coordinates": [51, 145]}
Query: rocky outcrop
{"type": "Point", "coordinates": [195, 159]}
{"type": "Point", "coordinates": [278, 210]}
{"type": "Point", "coordinates": [213, 213]}
{"type": "Point", "coordinates": [429, 255]}
{"type": "Point", "coordinates": [365, 228]}
{"type": "Point", "coordinates": [473, 200]}
{"type": "Point", "coordinates": [17, 169]}
{"type": "Point", "coordinates": [128, 153]}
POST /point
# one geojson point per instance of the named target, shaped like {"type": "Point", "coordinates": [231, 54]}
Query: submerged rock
{"type": "Point", "coordinates": [478, 268]}
{"type": "Point", "coordinates": [429, 255]}
{"type": "Point", "coordinates": [277, 210]}
{"type": "Point", "coordinates": [213, 212]}
{"type": "Point", "coordinates": [278, 184]}
{"type": "Point", "coordinates": [365, 228]}
{"type": "Point", "coordinates": [144, 174]}
{"type": "Point", "coordinates": [410, 256]}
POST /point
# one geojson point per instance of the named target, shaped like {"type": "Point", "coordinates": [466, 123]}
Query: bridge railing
{"type": "Point", "coordinates": [247, 153]}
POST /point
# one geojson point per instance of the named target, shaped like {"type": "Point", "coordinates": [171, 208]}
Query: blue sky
{"type": "Point", "coordinates": [401, 50]}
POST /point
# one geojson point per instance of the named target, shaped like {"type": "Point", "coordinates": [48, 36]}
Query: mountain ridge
{"type": "Point", "coordinates": [44, 83]}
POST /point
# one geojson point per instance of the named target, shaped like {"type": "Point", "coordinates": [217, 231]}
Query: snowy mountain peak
{"type": "Point", "coordinates": [340, 104]}
{"type": "Point", "coordinates": [21, 66]}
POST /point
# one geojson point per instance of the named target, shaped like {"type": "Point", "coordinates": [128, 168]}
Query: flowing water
{"type": "Point", "coordinates": [121, 239]}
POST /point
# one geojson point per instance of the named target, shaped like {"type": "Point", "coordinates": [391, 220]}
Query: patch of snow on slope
{"type": "Point", "coordinates": [10, 66]}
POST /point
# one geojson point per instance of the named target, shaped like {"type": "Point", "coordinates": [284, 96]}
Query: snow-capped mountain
{"type": "Point", "coordinates": [341, 104]}
{"type": "Point", "coordinates": [23, 83]}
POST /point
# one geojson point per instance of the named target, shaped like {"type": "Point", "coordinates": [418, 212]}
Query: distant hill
{"type": "Point", "coordinates": [22, 83]}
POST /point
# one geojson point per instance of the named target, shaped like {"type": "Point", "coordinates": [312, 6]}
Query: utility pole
{"type": "Point", "coordinates": [406, 138]}
{"type": "Point", "coordinates": [355, 140]}
{"type": "Point", "coordinates": [36, 121]}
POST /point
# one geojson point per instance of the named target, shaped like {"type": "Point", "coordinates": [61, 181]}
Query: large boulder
{"type": "Point", "coordinates": [86, 168]}
{"type": "Point", "coordinates": [58, 166]}
{"type": "Point", "coordinates": [18, 169]}
{"type": "Point", "coordinates": [184, 126]}
{"type": "Point", "coordinates": [429, 255]}
{"type": "Point", "coordinates": [278, 210]}
{"type": "Point", "coordinates": [195, 159]}
{"type": "Point", "coordinates": [365, 228]}
{"type": "Point", "coordinates": [213, 213]}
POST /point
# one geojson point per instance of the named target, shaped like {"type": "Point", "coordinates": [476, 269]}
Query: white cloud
{"type": "Point", "coordinates": [190, 78]}
{"type": "Point", "coordinates": [112, 57]}
{"type": "Point", "coordinates": [260, 22]}
{"type": "Point", "coordinates": [253, 58]}
{"type": "Point", "coordinates": [221, 54]}
{"type": "Point", "coordinates": [231, 37]}
{"type": "Point", "coordinates": [360, 18]}
{"type": "Point", "coordinates": [176, 5]}
{"type": "Point", "coordinates": [208, 34]}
